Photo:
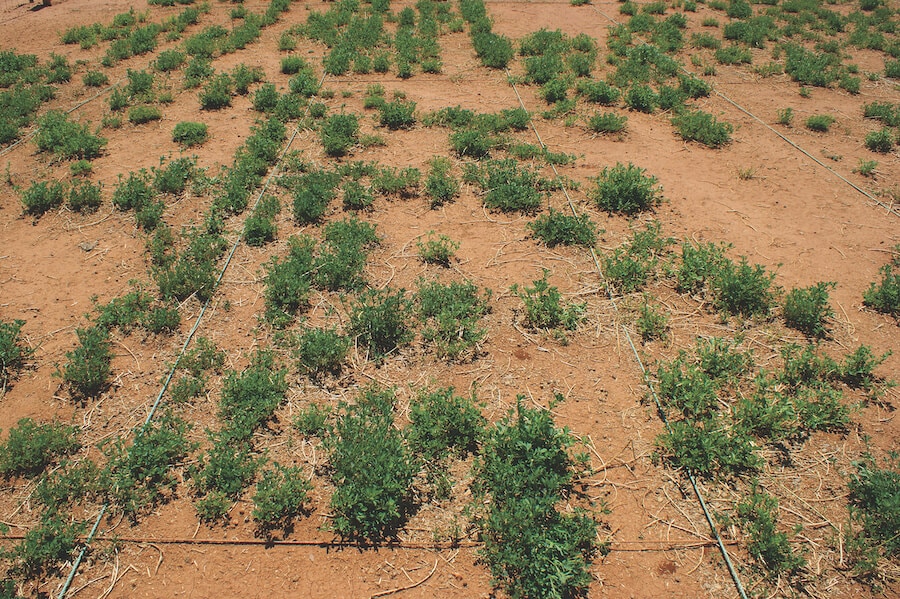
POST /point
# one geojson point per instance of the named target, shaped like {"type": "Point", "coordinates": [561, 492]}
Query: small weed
{"type": "Point", "coordinates": [94, 79]}
{"type": "Point", "coordinates": [700, 265]}
{"type": "Point", "coordinates": [451, 314]}
{"type": "Point", "coordinates": [437, 251]}
{"type": "Point", "coordinates": [786, 116]}
{"type": "Point", "coordinates": [312, 421]}
{"type": "Point", "coordinates": [819, 122]}
{"type": "Point", "coordinates": [440, 185]}
{"type": "Point", "coordinates": [745, 290]}
{"type": "Point", "coordinates": [288, 281]}
{"type": "Point", "coordinates": [704, 128]}
{"type": "Point", "coordinates": [544, 308]}
{"type": "Point", "coordinates": [339, 133]}
{"type": "Point", "coordinates": [880, 141]}
{"type": "Point", "coordinates": [380, 319]}
{"type": "Point", "coordinates": [217, 93]}
{"type": "Point", "coordinates": [758, 514]}
{"type": "Point", "coordinates": [13, 354]}
{"type": "Point", "coordinates": [343, 256]}
{"type": "Point", "coordinates": [31, 447]}
{"type": "Point", "coordinates": [259, 228]}
{"type": "Point", "coordinates": [884, 296]}
{"type": "Point", "coordinates": [443, 423]}
{"type": "Point", "coordinates": [280, 495]}
{"type": "Point", "coordinates": [857, 369]}
{"type": "Point", "coordinates": [41, 197]}
{"type": "Point", "coordinates": [607, 122]}
{"type": "Point", "coordinates": [322, 351]}
{"type": "Point", "coordinates": [84, 197]}
{"type": "Point", "coordinates": [65, 139]}
{"type": "Point", "coordinates": [806, 309]}
{"type": "Point", "coordinates": [874, 507]}
{"type": "Point", "coordinates": [866, 168]}
{"type": "Point", "coordinates": [651, 323]}
{"type": "Point", "coordinates": [626, 189]}
{"type": "Point", "coordinates": [397, 115]}
{"type": "Point", "coordinates": [138, 115]}
{"type": "Point", "coordinates": [558, 228]}
{"type": "Point", "coordinates": [189, 134]}
{"type": "Point", "coordinates": [87, 369]}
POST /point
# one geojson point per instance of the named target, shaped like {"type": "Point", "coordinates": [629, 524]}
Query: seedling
{"type": "Point", "coordinates": [544, 308]}
{"type": "Point", "coordinates": [437, 251]}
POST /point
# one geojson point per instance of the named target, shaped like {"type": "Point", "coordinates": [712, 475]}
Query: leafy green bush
{"type": "Point", "coordinates": [31, 447]}
{"type": "Point", "coordinates": [758, 513]}
{"type": "Point", "coordinates": [392, 181]}
{"type": "Point", "coordinates": [84, 197]}
{"type": "Point", "coordinates": [493, 50]}
{"type": "Point", "coordinates": [884, 296]}
{"type": "Point", "coordinates": [312, 421]}
{"type": "Point", "coordinates": [356, 196]}
{"type": "Point", "coordinates": [806, 309]}
{"type": "Point", "coordinates": [443, 424]}
{"type": "Point", "coordinates": [397, 115]}
{"type": "Point", "coordinates": [339, 133]}
{"type": "Point", "coordinates": [172, 178]}
{"type": "Point", "coordinates": [169, 60]}
{"type": "Point", "coordinates": [322, 351]}
{"type": "Point", "coordinates": [651, 324]}
{"type": "Point", "coordinates": [94, 79]}
{"type": "Point", "coordinates": [140, 85]}
{"type": "Point", "coordinates": [288, 281]}
{"type": "Point", "coordinates": [380, 319]}
{"type": "Point", "coordinates": [137, 476]}
{"type": "Point", "coordinates": [703, 127]}
{"type": "Point", "coordinates": [249, 398]}
{"type": "Point", "coordinates": [371, 468]}
{"type": "Point", "coordinates": [629, 266]}
{"type": "Point", "coordinates": [193, 270]}
{"type": "Point", "coordinates": [880, 141]}
{"type": "Point", "coordinates": [12, 354]}
{"type": "Point", "coordinates": [874, 507]}
{"type": "Point", "coordinates": [625, 189]}
{"type": "Point", "coordinates": [598, 92]}
{"type": "Point", "coordinates": [708, 449]}
{"type": "Point", "coordinates": [641, 98]}
{"type": "Point", "coordinates": [510, 187]}
{"type": "Point", "coordinates": [281, 494]}
{"type": "Point", "coordinates": [190, 134]}
{"type": "Point", "coordinates": [65, 139]}
{"type": "Point", "coordinates": [857, 369]}
{"type": "Point", "coordinates": [607, 122]}
{"type": "Point", "coordinates": [216, 94]}
{"type": "Point", "coordinates": [451, 314]}
{"type": "Point", "coordinates": [734, 54]}
{"type": "Point", "coordinates": [46, 547]}
{"type": "Point", "coordinates": [819, 122]}
{"type": "Point", "coordinates": [437, 251]}
{"type": "Point", "coordinates": [558, 228]}
{"type": "Point", "coordinates": [314, 191]}
{"type": "Point", "coordinates": [343, 255]}
{"type": "Point", "coordinates": [532, 549]}
{"type": "Point", "coordinates": [87, 369]}
{"type": "Point", "coordinates": [440, 185]}
{"type": "Point", "coordinates": [41, 197]}
{"type": "Point", "coordinates": [227, 468]}
{"type": "Point", "coordinates": [544, 308]}
{"type": "Point", "coordinates": [700, 265]}
{"type": "Point", "coordinates": [138, 115]}
{"type": "Point", "coordinates": [745, 290]}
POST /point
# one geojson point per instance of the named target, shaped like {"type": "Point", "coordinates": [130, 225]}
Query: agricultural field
{"type": "Point", "coordinates": [450, 298]}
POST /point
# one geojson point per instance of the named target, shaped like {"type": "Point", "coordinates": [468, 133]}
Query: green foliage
{"type": "Point", "coordinates": [259, 228]}
{"type": "Point", "coordinates": [46, 548]}
{"type": "Point", "coordinates": [806, 309]}
{"type": "Point", "coordinates": [704, 128]}
{"type": "Point", "coordinates": [875, 508]}
{"type": "Point", "coordinates": [288, 281]}
{"type": "Point", "coordinates": [626, 189]}
{"type": "Point", "coordinates": [87, 369]}
{"type": "Point", "coordinates": [544, 308]}
{"type": "Point", "coordinates": [64, 486]}
{"type": "Point", "coordinates": [280, 495]}
{"type": "Point", "coordinates": [31, 447]}
{"type": "Point", "coordinates": [598, 92]}
{"type": "Point", "coordinates": [371, 468]}
{"type": "Point", "coordinates": [651, 323]}
{"type": "Point", "coordinates": [249, 398]}
{"type": "Point", "coordinates": [510, 186]}
{"type": "Point", "coordinates": [607, 122]}
{"type": "Point", "coordinates": [733, 55]}
{"type": "Point", "coordinates": [880, 141]}
{"type": "Point", "coordinates": [312, 421]}
{"type": "Point", "coordinates": [641, 98]}
{"type": "Point", "coordinates": [380, 319]}
{"type": "Point", "coordinates": [84, 197]}
{"type": "Point", "coordinates": [884, 296]}
{"type": "Point", "coordinates": [322, 351]}
{"type": "Point", "coordinates": [343, 256]}
{"type": "Point", "coordinates": [140, 85]}
{"type": "Point", "coordinates": [65, 139]}
{"type": "Point", "coordinates": [41, 197]}
{"type": "Point", "coordinates": [437, 251]}
{"type": "Point", "coordinates": [137, 476]}
{"type": "Point", "coordinates": [193, 270]}
{"type": "Point", "coordinates": [193, 367]}
{"type": "Point", "coordinates": [189, 134]}
{"type": "Point", "coordinates": [339, 133]}
{"type": "Point", "coordinates": [758, 513]}
{"type": "Point", "coordinates": [558, 228]}
{"type": "Point", "coordinates": [397, 115]}
{"type": "Point", "coordinates": [216, 94]}
{"type": "Point", "coordinates": [440, 185]}
{"type": "Point", "coordinates": [314, 191]}
{"type": "Point", "coordinates": [493, 50]}
{"type": "Point", "coordinates": [819, 122]}
{"type": "Point", "coordinates": [227, 468]}
{"type": "Point", "coordinates": [172, 178]}
{"type": "Point", "coordinates": [857, 370]}
{"type": "Point", "coordinates": [94, 79]}
{"type": "Point", "coordinates": [356, 196]}
{"type": "Point", "coordinates": [810, 68]}
{"type": "Point", "coordinates": [12, 353]}
{"type": "Point", "coordinates": [532, 549]}
{"type": "Point", "coordinates": [244, 76]}
{"type": "Point", "coordinates": [443, 424]}
{"type": "Point", "coordinates": [451, 314]}
{"type": "Point", "coordinates": [744, 290]}
{"type": "Point", "coordinates": [169, 60]}
{"type": "Point", "coordinates": [138, 115]}
{"type": "Point", "coordinates": [708, 449]}
{"type": "Point", "coordinates": [391, 181]}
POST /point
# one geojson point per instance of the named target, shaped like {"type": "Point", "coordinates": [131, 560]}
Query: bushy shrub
{"type": "Point", "coordinates": [607, 122]}
{"type": "Point", "coordinates": [313, 193]}
{"type": "Point", "coordinates": [87, 367]}
{"type": "Point", "coordinates": [65, 139]}
{"type": "Point", "coordinates": [544, 308]}
{"type": "Point", "coordinates": [42, 197]}
{"type": "Point", "coordinates": [190, 134]}
{"type": "Point", "coordinates": [819, 122]}
{"type": "Point", "coordinates": [626, 189]}
{"type": "Point", "coordinates": [12, 353]}
{"type": "Point", "coordinates": [744, 290]}
{"type": "Point", "coordinates": [259, 228]}
{"type": "Point", "coordinates": [84, 196]}
{"type": "Point", "coordinates": [138, 115]}
{"type": "Point", "coordinates": [703, 127]}
{"type": "Point", "coordinates": [451, 314]}
{"type": "Point", "coordinates": [806, 309]}
{"type": "Point", "coordinates": [440, 185]}
{"type": "Point", "coordinates": [288, 281]}
{"type": "Point", "coordinates": [437, 251]}
{"type": "Point", "coordinates": [31, 447]}
{"type": "Point", "coordinates": [397, 115]}
{"type": "Point", "coordinates": [322, 351]}
{"type": "Point", "coordinates": [443, 424]}
{"type": "Point", "coordinates": [380, 319]}
{"type": "Point", "coordinates": [280, 495]}
{"type": "Point", "coordinates": [339, 133]}
{"type": "Point", "coordinates": [880, 141]}
{"type": "Point", "coordinates": [558, 228]}
{"type": "Point", "coordinates": [217, 93]}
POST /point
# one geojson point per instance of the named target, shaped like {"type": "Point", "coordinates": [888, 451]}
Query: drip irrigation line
{"type": "Point", "coordinates": [888, 207]}
{"type": "Point", "coordinates": [184, 346]}
{"type": "Point", "coordinates": [715, 532]}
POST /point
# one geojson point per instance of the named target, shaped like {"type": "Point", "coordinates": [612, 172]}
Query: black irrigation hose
{"type": "Point", "coordinates": [715, 532]}
{"type": "Point", "coordinates": [184, 347]}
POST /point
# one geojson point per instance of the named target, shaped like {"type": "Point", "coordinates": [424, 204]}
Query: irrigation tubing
{"type": "Point", "coordinates": [184, 346]}
{"type": "Point", "coordinates": [715, 531]}
{"type": "Point", "coordinates": [888, 207]}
